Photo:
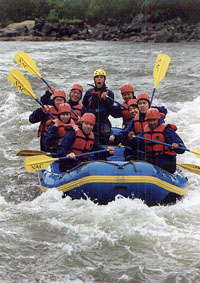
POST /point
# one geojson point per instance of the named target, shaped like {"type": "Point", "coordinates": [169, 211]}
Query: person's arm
{"type": "Point", "coordinates": [38, 116]}
{"type": "Point", "coordinates": [124, 135]}
{"type": "Point", "coordinates": [50, 137]}
{"type": "Point", "coordinates": [161, 109]}
{"type": "Point", "coordinates": [86, 97]}
{"type": "Point", "coordinates": [171, 137]}
{"type": "Point", "coordinates": [99, 156]}
{"type": "Point", "coordinates": [116, 111]}
{"type": "Point", "coordinates": [46, 98]}
{"type": "Point", "coordinates": [65, 143]}
{"type": "Point", "coordinates": [109, 100]}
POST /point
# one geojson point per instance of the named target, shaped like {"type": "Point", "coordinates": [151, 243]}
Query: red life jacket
{"type": "Point", "coordinates": [139, 125]}
{"type": "Point", "coordinates": [44, 124]}
{"type": "Point", "coordinates": [77, 109]}
{"type": "Point", "coordinates": [63, 128]}
{"type": "Point", "coordinates": [126, 116]}
{"type": "Point", "coordinates": [153, 149]}
{"type": "Point", "coordinates": [82, 142]}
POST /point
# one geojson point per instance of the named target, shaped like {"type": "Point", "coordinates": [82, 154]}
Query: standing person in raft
{"type": "Point", "coordinates": [42, 114]}
{"type": "Point", "coordinates": [78, 141]}
{"type": "Point", "coordinates": [99, 101]}
{"type": "Point", "coordinates": [127, 92]}
{"type": "Point", "coordinates": [158, 154]}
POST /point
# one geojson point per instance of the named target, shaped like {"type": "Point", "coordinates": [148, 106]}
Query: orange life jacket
{"type": "Point", "coordinates": [63, 128]}
{"type": "Point", "coordinates": [77, 109]}
{"type": "Point", "coordinates": [44, 124]}
{"type": "Point", "coordinates": [139, 125]}
{"type": "Point", "coordinates": [126, 116]}
{"type": "Point", "coordinates": [82, 142]}
{"type": "Point", "coordinates": [153, 149]}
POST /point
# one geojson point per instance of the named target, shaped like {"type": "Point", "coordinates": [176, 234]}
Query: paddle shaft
{"type": "Point", "coordinates": [36, 163]}
{"type": "Point", "coordinates": [23, 58]}
{"type": "Point", "coordinates": [39, 102]}
{"type": "Point", "coordinates": [85, 154]}
{"type": "Point", "coordinates": [152, 96]}
{"type": "Point", "coordinates": [46, 82]}
{"type": "Point", "coordinates": [166, 144]}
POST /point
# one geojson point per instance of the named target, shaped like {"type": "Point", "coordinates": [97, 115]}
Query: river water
{"type": "Point", "coordinates": [45, 238]}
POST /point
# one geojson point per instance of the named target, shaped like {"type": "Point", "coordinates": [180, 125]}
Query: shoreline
{"type": "Point", "coordinates": [137, 31]}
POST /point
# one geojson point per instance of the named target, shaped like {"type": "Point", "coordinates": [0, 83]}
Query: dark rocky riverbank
{"type": "Point", "coordinates": [141, 29]}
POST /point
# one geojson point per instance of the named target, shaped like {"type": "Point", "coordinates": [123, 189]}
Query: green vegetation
{"type": "Point", "coordinates": [98, 11]}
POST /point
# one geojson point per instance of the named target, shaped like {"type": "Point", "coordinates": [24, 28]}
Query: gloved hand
{"type": "Point", "coordinates": [104, 95]}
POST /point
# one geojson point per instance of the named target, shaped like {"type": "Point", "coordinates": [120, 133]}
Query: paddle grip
{"type": "Point", "coordinates": [39, 102]}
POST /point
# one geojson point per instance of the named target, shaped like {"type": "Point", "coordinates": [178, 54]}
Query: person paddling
{"type": "Point", "coordinates": [138, 122]}
{"type": "Point", "coordinates": [79, 141]}
{"type": "Point", "coordinates": [158, 154]}
{"type": "Point", "coordinates": [42, 114]}
{"type": "Point", "coordinates": [99, 100]}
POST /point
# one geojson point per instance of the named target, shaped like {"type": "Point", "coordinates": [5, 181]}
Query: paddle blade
{"type": "Point", "coordinates": [29, 152]}
{"type": "Point", "coordinates": [197, 152]}
{"type": "Point", "coordinates": [36, 163]}
{"type": "Point", "coordinates": [27, 63]}
{"type": "Point", "coordinates": [20, 82]}
{"type": "Point", "coordinates": [191, 167]}
{"type": "Point", "coordinates": [160, 68]}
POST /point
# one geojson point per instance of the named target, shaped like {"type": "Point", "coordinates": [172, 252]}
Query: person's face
{"type": "Point", "coordinates": [133, 110]}
{"type": "Point", "coordinates": [143, 105]}
{"type": "Point", "coordinates": [65, 117]}
{"type": "Point", "coordinates": [87, 127]}
{"type": "Point", "coordinates": [75, 95]}
{"type": "Point", "coordinates": [127, 96]}
{"type": "Point", "coordinates": [58, 100]}
{"type": "Point", "coordinates": [152, 123]}
{"type": "Point", "coordinates": [99, 81]}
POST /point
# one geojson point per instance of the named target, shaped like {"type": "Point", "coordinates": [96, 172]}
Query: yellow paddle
{"type": "Point", "coordinates": [159, 71]}
{"type": "Point", "coordinates": [28, 64]}
{"type": "Point", "coordinates": [30, 152]}
{"type": "Point", "coordinates": [23, 85]}
{"type": "Point", "coordinates": [40, 162]}
{"type": "Point", "coordinates": [191, 167]}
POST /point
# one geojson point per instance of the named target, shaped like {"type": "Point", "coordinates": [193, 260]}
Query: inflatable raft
{"type": "Point", "coordinates": [103, 181]}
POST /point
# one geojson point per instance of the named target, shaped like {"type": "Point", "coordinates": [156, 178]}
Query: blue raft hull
{"type": "Point", "coordinates": [103, 181]}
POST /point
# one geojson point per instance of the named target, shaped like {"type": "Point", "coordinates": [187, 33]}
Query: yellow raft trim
{"type": "Point", "coordinates": [123, 179]}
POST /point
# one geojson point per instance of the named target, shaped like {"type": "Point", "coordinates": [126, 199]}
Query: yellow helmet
{"type": "Point", "coordinates": [99, 72]}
